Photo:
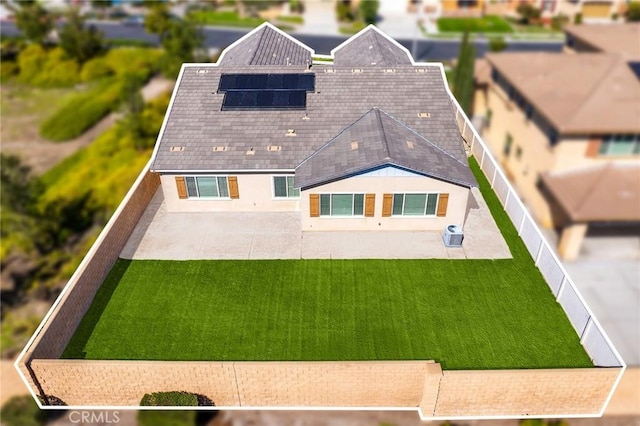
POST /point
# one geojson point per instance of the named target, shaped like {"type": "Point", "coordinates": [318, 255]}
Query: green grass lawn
{"type": "Point", "coordinates": [485, 24]}
{"type": "Point", "coordinates": [465, 314]}
{"type": "Point", "coordinates": [232, 19]}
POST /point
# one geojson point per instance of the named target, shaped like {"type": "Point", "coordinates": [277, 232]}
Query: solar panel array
{"type": "Point", "coordinates": [265, 91]}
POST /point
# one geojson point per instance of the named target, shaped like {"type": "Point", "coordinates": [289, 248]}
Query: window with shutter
{"type": "Point", "coordinates": [182, 187]}
{"type": "Point", "coordinates": [443, 201]}
{"type": "Point", "coordinates": [233, 187]}
{"type": "Point", "coordinates": [370, 205]}
{"type": "Point", "coordinates": [314, 205]}
{"type": "Point", "coordinates": [387, 203]}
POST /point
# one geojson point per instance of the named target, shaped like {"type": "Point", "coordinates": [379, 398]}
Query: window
{"type": "Point", "coordinates": [283, 187]}
{"type": "Point", "coordinates": [518, 153]}
{"type": "Point", "coordinates": [620, 145]}
{"type": "Point", "coordinates": [414, 204]}
{"type": "Point", "coordinates": [207, 187]}
{"type": "Point", "coordinates": [508, 141]}
{"type": "Point", "coordinates": [341, 204]}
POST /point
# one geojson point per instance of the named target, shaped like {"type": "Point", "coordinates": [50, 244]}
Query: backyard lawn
{"type": "Point", "coordinates": [485, 24]}
{"type": "Point", "coordinates": [465, 314]}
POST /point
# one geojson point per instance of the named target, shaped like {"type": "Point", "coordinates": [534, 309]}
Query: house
{"type": "Point", "coordinates": [363, 139]}
{"type": "Point", "coordinates": [368, 142]}
{"type": "Point", "coordinates": [566, 129]}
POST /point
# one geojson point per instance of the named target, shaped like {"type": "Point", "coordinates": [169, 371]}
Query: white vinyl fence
{"type": "Point", "coordinates": [592, 337]}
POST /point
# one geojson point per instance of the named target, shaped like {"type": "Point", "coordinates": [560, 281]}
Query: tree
{"type": "Point", "coordinates": [158, 20]}
{"type": "Point", "coordinates": [528, 13]}
{"type": "Point", "coordinates": [102, 4]}
{"type": "Point", "coordinates": [369, 11]}
{"type": "Point", "coordinates": [79, 42]}
{"type": "Point", "coordinates": [633, 12]}
{"type": "Point", "coordinates": [33, 20]}
{"type": "Point", "coordinates": [463, 77]}
{"type": "Point", "coordinates": [181, 42]}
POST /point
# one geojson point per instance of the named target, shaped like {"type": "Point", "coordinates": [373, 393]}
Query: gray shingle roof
{"type": "Point", "coordinates": [196, 122]}
{"type": "Point", "coordinates": [377, 139]}
{"type": "Point", "coordinates": [266, 46]}
{"type": "Point", "coordinates": [370, 48]}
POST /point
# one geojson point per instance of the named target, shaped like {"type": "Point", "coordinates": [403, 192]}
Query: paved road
{"type": "Point", "coordinates": [434, 50]}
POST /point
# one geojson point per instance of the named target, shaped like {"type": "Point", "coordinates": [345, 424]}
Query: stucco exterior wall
{"type": "Point", "coordinates": [379, 186]}
{"type": "Point", "coordinates": [256, 194]}
{"type": "Point", "coordinates": [530, 155]}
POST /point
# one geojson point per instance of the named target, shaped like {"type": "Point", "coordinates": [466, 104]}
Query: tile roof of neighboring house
{"type": "Point", "coordinates": [266, 46]}
{"type": "Point", "coordinates": [376, 140]}
{"type": "Point", "coordinates": [482, 71]}
{"type": "Point", "coordinates": [608, 192]}
{"type": "Point", "coordinates": [370, 48]}
{"type": "Point", "coordinates": [613, 38]}
{"type": "Point", "coordinates": [577, 93]}
{"type": "Point", "coordinates": [196, 122]}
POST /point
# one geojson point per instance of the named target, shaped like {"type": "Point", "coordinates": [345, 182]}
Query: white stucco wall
{"type": "Point", "coordinates": [256, 194]}
{"type": "Point", "coordinates": [380, 185]}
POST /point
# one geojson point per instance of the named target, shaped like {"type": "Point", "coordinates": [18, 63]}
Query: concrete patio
{"type": "Point", "coordinates": [277, 235]}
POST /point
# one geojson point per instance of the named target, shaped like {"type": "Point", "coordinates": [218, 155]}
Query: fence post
{"type": "Point", "coordinates": [564, 280]}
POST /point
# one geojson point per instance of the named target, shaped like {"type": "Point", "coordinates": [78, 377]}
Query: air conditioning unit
{"type": "Point", "coordinates": [453, 236]}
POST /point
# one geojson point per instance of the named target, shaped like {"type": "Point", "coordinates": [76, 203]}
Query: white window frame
{"type": "Point", "coordinates": [353, 205]}
{"type": "Point", "coordinates": [287, 197]}
{"type": "Point", "coordinates": [422, 216]}
{"type": "Point", "coordinates": [198, 197]}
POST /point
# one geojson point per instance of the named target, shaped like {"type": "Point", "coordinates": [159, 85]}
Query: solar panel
{"type": "Point", "coordinates": [264, 99]}
{"type": "Point", "coordinates": [284, 81]}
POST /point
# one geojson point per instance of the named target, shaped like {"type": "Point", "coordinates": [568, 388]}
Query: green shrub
{"type": "Point", "coordinates": [57, 71]}
{"type": "Point", "coordinates": [165, 417]}
{"type": "Point", "coordinates": [95, 69]}
{"type": "Point", "coordinates": [8, 69]}
{"type": "Point", "coordinates": [633, 12]}
{"type": "Point", "coordinates": [46, 69]}
{"type": "Point", "coordinates": [497, 44]}
{"type": "Point", "coordinates": [22, 411]}
{"type": "Point", "coordinates": [577, 19]}
{"type": "Point", "coordinates": [81, 112]}
{"type": "Point", "coordinates": [169, 399]}
{"type": "Point", "coordinates": [139, 62]}
{"type": "Point", "coordinates": [31, 61]}
{"type": "Point", "coordinates": [557, 22]}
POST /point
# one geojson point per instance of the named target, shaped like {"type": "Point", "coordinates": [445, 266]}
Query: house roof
{"type": "Point", "coordinates": [608, 192]}
{"type": "Point", "coordinates": [266, 45]}
{"type": "Point", "coordinates": [577, 93]}
{"type": "Point", "coordinates": [375, 140]}
{"type": "Point", "coordinates": [623, 39]}
{"type": "Point", "coordinates": [213, 140]}
{"type": "Point", "coordinates": [370, 47]}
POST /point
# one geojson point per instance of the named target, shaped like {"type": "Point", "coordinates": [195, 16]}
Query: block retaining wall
{"type": "Point", "coordinates": [399, 384]}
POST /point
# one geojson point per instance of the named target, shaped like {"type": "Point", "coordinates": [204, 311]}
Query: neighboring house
{"type": "Point", "coordinates": [367, 142]}
{"type": "Point", "coordinates": [566, 128]}
{"type": "Point", "coordinates": [591, 10]}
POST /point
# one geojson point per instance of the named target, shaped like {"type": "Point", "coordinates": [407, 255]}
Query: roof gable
{"type": "Point", "coordinates": [267, 45]}
{"type": "Point", "coordinates": [370, 47]}
{"type": "Point", "coordinates": [376, 140]}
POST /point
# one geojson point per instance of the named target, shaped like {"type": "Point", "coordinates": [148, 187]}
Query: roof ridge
{"type": "Point", "coordinates": [384, 134]}
{"type": "Point", "coordinates": [424, 138]}
{"type": "Point", "coordinates": [258, 45]}
{"type": "Point", "coordinates": [334, 138]}
{"type": "Point", "coordinates": [592, 191]}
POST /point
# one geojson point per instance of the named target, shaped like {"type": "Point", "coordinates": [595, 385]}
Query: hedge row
{"type": "Point", "coordinates": [82, 111]}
